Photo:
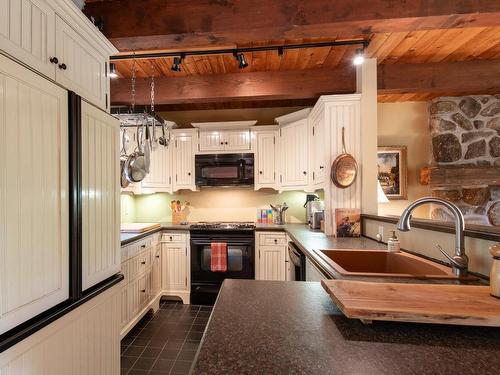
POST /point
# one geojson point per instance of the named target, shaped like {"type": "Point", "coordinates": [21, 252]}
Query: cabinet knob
{"type": "Point", "coordinates": [54, 60]}
{"type": "Point", "coordinates": [222, 143]}
{"type": "Point", "coordinates": [62, 66]}
{"type": "Point", "coordinates": [304, 172]}
{"type": "Point", "coordinates": [170, 238]}
{"type": "Point", "coordinates": [260, 172]}
{"type": "Point", "coordinates": [157, 256]}
{"type": "Point", "coordinates": [225, 143]}
{"type": "Point", "coordinates": [321, 167]}
{"type": "Point", "coordinates": [143, 290]}
{"type": "Point", "coordinates": [143, 262]}
{"type": "Point", "coordinates": [143, 246]}
{"type": "Point", "coordinates": [189, 173]}
{"type": "Point", "coordinates": [275, 240]}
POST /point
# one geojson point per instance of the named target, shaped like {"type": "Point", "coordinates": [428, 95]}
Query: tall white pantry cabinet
{"type": "Point", "coordinates": [48, 48]}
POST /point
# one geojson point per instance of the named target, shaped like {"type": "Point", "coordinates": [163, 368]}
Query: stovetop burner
{"type": "Point", "coordinates": [222, 226]}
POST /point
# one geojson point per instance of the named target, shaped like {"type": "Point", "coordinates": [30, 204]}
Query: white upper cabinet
{"type": "Point", "coordinates": [159, 178]}
{"type": "Point", "coordinates": [27, 32]}
{"type": "Point", "coordinates": [317, 152]}
{"type": "Point", "coordinates": [236, 140]}
{"type": "Point", "coordinates": [56, 39]}
{"type": "Point", "coordinates": [81, 67]}
{"type": "Point", "coordinates": [183, 159]}
{"type": "Point", "coordinates": [294, 156]}
{"type": "Point", "coordinates": [265, 159]}
{"type": "Point", "coordinates": [224, 140]}
{"type": "Point", "coordinates": [34, 219]}
{"type": "Point", "coordinates": [101, 256]}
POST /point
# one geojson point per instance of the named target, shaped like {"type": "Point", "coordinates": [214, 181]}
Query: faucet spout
{"type": "Point", "coordinates": [460, 260]}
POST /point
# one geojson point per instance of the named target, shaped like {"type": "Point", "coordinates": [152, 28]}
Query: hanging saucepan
{"type": "Point", "coordinates": [135, 169]}
{"type": "Point", "coordinates": [123, 159]}
{"type": "Point", "coordinates": [344, 168]}
{"type": "Point", "coordinates": [146, 145]}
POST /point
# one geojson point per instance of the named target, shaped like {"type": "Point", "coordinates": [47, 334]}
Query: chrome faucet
{"type": "Point", "coordinates": [460, 261]}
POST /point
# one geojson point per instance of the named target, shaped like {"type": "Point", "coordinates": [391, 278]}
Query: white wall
{"type": "Point", "coordinates": [407, 124]}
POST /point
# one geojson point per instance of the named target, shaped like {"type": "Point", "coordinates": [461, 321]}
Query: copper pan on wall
{"type": "Point", "coordinates": [344, 168]}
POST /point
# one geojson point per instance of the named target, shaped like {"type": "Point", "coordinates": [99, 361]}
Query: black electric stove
{"type": "Point", "coordinates": [239, 237]}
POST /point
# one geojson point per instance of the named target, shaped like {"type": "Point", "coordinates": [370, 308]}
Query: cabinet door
{"type": "Point", "coordinates": [265, 174]}
{"type": "Point", "coordinates": [184, 162]}
{"type": "Point", "coordinates": [272, 264]}
{"type": "Point", "coordinates": [156, 270]}
{"type": "Point", "coordinates": [27, 32]}
{"type": "Point", "coordinates": [236, 140]}
{"type": "Point", "coordinates": [34, 262]}
{"type": "Point", "coordinates": [318, 153]}
{"type": "Point", "coordinates": [125, 307]}
{"type": "Point", "coordinates": [174, 267]}
{"type": "Point", "coordinates": [133, 297]}
{"type": "Point", "coordinates": [159, 178]}
{"type": "Point", "coordinates": [294, 156]}
{"type": "Point", "coordinates": [211, 141]}
{"type": "Point", "coordinates": [84, 69]}
{"type": "Point", "coordinates": [101, 254]}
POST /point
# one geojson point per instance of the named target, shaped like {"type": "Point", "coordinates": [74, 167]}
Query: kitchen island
{"type": "Point", "coordinates": [276, 327]}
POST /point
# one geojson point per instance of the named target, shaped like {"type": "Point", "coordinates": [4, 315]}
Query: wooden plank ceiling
{"type": "Point", "coordinates": [452, 43]}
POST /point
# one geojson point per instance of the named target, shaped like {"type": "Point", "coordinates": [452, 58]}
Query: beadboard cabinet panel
{"type": "Point", "coordinates": [185, 144]}
{"type": "Point", "coordinates": [27, 30]}
{"type": "Point", "coordinates": [101, 254]}
{"type": "Point", "coordinates": [174, 267]}
{"type": "Point", "coordinates": [265, 158]}
{"type": "Point", "coordinates": [84, 67]}
{"type": "Point", "coordinates": [294, 156]}
{"type": "Point", "coordinates": [210, 141]}
{"type": "Point", "coordinates": [34, 247]}
{"type": "Point", "coordinates": [159, 178]}
{"type": "Point", "coordinates": [236, 140]}
{"type": "Point", "coordinates": [85, 341]}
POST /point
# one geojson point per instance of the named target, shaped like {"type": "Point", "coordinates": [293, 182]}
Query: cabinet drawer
{"type": "Point", "coordinates": [144, 261]}
{"type": "Point", "coordinates": [272, 239]}
{"type": "Point", "coordinates": [173, 237]}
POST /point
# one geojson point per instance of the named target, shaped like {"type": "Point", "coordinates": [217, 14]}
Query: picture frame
{"type": "Point", "coordinates": [348, 222]}
{"type": "Point", "coordinates": [392, 171]}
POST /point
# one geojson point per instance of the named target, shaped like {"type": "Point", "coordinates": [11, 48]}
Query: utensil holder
{"type": "Point", "coordinates": [179, 217]}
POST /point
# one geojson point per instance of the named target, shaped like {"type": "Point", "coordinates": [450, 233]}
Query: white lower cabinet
{"type": "Point", "coordinates": [271, 249]}
{"type": "Point", "coordinates": [154, 266]}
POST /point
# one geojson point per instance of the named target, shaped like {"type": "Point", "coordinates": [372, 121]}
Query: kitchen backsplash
{"type": "Point", "coordinates": [212, 205]}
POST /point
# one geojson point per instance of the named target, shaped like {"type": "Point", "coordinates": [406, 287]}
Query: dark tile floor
{"type": "Point", "coordinates": [164, 342]}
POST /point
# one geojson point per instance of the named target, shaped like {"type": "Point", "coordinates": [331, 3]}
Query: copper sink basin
{"type": "Point", "coordinates": [382, 263]}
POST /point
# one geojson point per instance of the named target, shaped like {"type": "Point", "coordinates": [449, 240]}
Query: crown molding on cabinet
{"type": "Point", "coordinates": [295, 116]}
{"type": "Point", "coordinates": [224, 125]}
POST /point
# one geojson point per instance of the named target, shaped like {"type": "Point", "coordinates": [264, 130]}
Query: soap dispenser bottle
{"type": "Point", "coordinates": [393, 244]}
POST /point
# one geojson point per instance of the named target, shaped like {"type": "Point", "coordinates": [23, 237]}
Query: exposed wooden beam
{"type": "Point", "coordinates": [238, 87]}
{"type": "Point", "coordinates": [178, 24]}
{"type": "Point", "coordinates": [455, 78]}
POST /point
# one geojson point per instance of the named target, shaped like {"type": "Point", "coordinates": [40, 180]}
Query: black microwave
{"type": "Point", "coordinates": [224, 170]}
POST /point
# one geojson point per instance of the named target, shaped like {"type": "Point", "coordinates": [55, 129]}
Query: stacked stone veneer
{"type": "Point", "coordinates": [466, 131]}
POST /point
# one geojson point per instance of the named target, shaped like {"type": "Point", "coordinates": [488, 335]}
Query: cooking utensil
{"type": "Point", "coordinates": [135, 169]}
{"type": "Point", "coordinates": [123, 159]}
{"type": "Point", "coordinates": [146, 146]}
{"type": "Point", "coordinates": [344, 168]}
{"type": "Point", "coordinates": [163, 139]}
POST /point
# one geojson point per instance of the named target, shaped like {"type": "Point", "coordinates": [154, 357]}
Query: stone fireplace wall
{"type": "Point", "coordinates": [465, 132]}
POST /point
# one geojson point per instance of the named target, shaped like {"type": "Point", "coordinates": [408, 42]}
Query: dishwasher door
{"type": "Point", "coordinates": [297, 262]}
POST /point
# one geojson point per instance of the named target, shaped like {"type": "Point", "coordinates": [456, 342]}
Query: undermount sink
{"type": "Point", "coordinates": [381, 263]}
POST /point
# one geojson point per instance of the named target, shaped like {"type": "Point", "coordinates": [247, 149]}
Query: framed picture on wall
{"type": "Point", "coordinates": [392, 173]}
{"type": "Point", "coordinates": [348, 222]}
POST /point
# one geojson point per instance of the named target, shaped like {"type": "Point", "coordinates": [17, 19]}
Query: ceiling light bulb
{"type": "Point", "coordinates": [359, 58]}
{"type": "Point", "coordinates": [112, 71]}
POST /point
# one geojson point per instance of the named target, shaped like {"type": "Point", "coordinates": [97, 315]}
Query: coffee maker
{"type": "Point", "coordinates": [313, 204]}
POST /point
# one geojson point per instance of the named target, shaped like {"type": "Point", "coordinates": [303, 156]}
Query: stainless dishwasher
{"type": "Point", "coordinates": [298, 262]}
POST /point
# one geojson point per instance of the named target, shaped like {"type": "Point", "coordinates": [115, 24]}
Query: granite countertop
{"type": "Point", "coordinates": [285, 327]}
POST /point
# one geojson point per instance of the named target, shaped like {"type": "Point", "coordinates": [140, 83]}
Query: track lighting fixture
{"type": "Point", "coordinates": [359, 57]}
{"type": "Point", "coordinates": [242, 63]}
{"type": "Point", "coordinates": [112, 71]}
{"type": "Point", "coordinates": [176, 65]}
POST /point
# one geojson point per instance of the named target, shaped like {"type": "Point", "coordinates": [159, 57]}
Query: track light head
{"type": "Point", "coordinates": [112, 71]}
{"type": "Point", "coordinates": [242, 62]}
{"type": "Point", "coordinates": [176, 65]}
{"type": "Point", "coordinates": [359, 57]}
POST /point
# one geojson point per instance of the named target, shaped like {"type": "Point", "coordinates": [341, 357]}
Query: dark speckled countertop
{"type": "Point", "coordinates": [279, 327]}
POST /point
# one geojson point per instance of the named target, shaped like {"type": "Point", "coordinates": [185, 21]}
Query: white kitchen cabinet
{"type": "Point", "coordinates": [271, 248]}
{"type": "Point", "coordinates": [265, 159]}
{"type": "Point", "coordinates": [294, 156]}
{"type": "Point", "coordinates": [224, 140]}
{"type": "Point", "coordinates": [175, 264]}
{"type": "Point", "coordinates": [27, 32]}
{"type": "Point", "coordinates": [100, 195]}
{"type": "Point", "coordinates": [210, 141]}
{"type": "Point", "coordinates": [81, 67]}
{"type": "Point", "coordinates": [183, 159]}
{"type": "Point", "coordinates": [156, 270]}
{"type": "Point", "coordinates": [159, 178]}
{"type": "Point", "coordinates": [34, 219]}
{"type": "Point", "coordinates": [317, 154]}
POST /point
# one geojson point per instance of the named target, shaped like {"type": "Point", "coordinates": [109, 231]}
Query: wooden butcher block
{"type": "Point", "coordinates": [421, 303]}
{"type": "Point", "coordinates": [138, 227]}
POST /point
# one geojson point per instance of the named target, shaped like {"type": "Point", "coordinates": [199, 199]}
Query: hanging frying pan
{"type": "Point", "coordinates": [344, 168]}
{"type": "Point", "coordinates": [135, 169]}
